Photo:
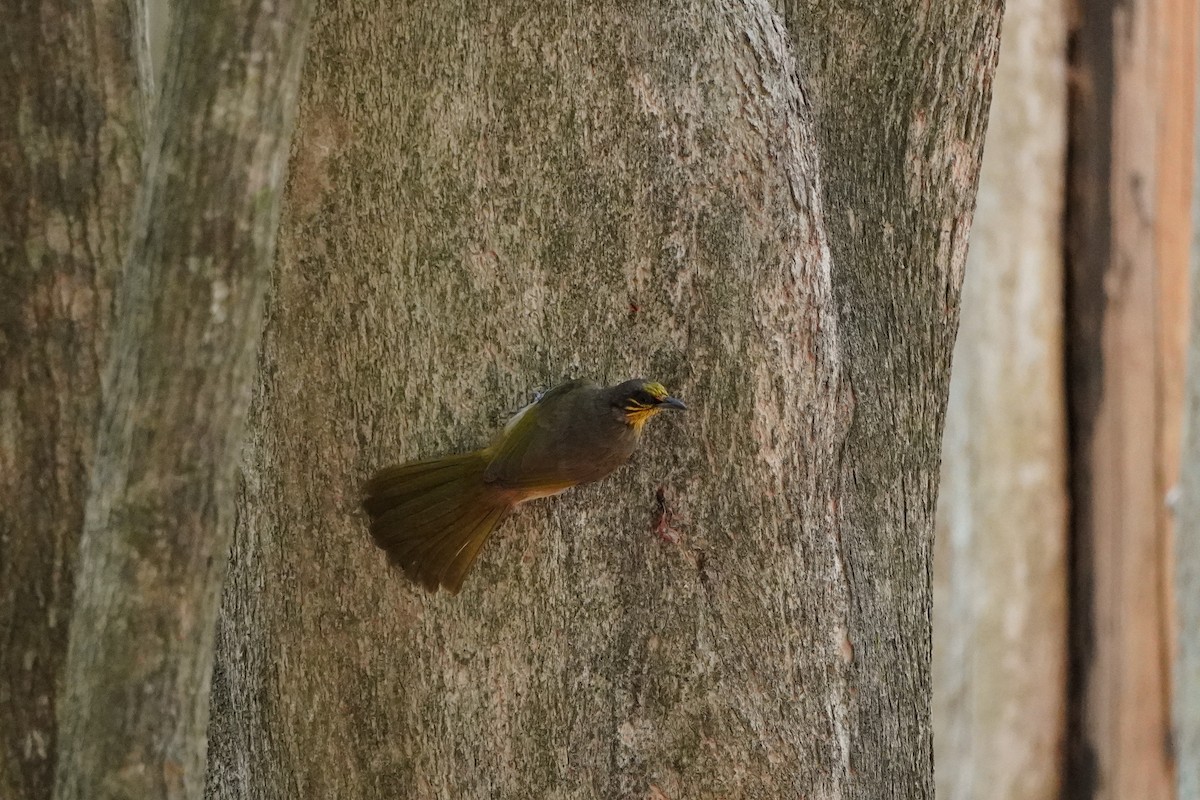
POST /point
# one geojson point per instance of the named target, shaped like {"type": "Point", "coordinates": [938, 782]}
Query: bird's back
{"type": "Point", "coordinates": [572, 435]}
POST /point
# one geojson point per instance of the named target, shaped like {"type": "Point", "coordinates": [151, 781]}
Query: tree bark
{"type": "Point", "coordinates": [485, 199]}
{"type": "Point", "coordinates": [902, 106]}
{"type": "Point", "coordinates": [70, 148]}
{"type": "Point", "coordinates": [1186, 674]}
{"type": "Point", "coordinates": [160, 511]}
{"type": "Point", "coordinates": [1000, 600]}
{"type": "Point", "coordinates": [1127, 242]}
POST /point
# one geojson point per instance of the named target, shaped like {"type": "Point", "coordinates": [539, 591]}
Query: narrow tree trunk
{"type": "Point", "coordinates": [1127, 256]}
{"type": "Point", "coordinates": [70, 149]}
{"type": "Point", "coordinates": [1186, 675]}
{"type": "Point", "coordinates": [160, 512]}
{"type": "Point", "coordinates": [1000, 600]}
{"type": "Point", "coordinates": [488, 199]}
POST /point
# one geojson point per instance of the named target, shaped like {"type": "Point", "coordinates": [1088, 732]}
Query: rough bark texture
{"type": "Point", "coordinates": [999, 670]}
{"type": "Point", "coordinates": [901, 129]}
{"type": "Point", "coordinates": [1126, 257]}
{"type": "Point", "coordinates": [489, 198]}
{"type": "Point", "coordinates": [70, 146]}
{"type": "Point", "coordinates": [160, 512]}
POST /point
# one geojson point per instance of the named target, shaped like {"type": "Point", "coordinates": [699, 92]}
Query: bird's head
{"type": "Point", "coordinates": [639, 400]}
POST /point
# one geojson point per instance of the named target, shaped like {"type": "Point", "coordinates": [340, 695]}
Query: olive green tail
{"type": "Point", "coordinates": [432, 517]}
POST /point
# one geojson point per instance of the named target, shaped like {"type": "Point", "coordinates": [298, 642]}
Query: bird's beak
{"type": "Point", "coordinates": [673, 403]}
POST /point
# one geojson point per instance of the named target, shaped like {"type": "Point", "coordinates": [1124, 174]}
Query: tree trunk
{"type": "Point", "coordinates": [902, 106]}
{"type": "Point", "coordinates": [160, 512]}
{"type": "Point", "coordinates": [1000, 601]}
{"type": "Point", "coordinates": [1127, 246]}
{"type": "Point", "coordinates": [70, 149]}
{"type": "Point", "coordinates": [767, 216]}
{"type": "Point", "coordinates": [1186, 677]}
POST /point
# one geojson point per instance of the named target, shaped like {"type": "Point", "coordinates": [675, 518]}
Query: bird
{"type": "Point", "coordinates": [433, 516]}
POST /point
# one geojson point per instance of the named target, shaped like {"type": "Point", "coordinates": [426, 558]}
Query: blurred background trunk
{"type": "Point", "coordinates": [71, 135]}
{"type": "Point", "coordinates": [1011, 722]}
{"type": "Point", "coordinates": [490, 198]}
{"type": "Point", "coordinates": [1000, 571]}
{"type": "Point", "coordinates": [135, 245]}
{"type": "Point", "coordinates": [133, 712]}
{"type": "Point", "coordinates": [1127, 237]}
{"type": "Point", "coordinates": [1186, 682]}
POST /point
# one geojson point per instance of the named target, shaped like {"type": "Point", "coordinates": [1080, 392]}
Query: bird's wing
{"type": "Point", "coordinates": [529, 454]}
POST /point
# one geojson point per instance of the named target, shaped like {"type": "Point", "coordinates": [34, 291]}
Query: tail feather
{"type": "Point", "coordinates": [456, 570]}
{"type": "Point", "coordinates": [388, 487]}
{"type": "Point", "coordinates": [432, 517]}
{"type": "Point", "coordinates": [438, 506]}
{"type": "Point", "coordinates": [468, 534]}
{"type": "Point", "coordinates": [425, 556]}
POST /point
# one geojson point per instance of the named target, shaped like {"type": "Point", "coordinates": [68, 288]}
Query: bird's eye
{"type": "Point", "coordinates": [644, 398]}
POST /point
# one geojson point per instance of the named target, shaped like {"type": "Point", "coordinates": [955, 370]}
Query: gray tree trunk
{"type": "Point", "coordinates": [123, 713]}
{"type": "Point", "coordinates": [132, 722]}
{"type": "Point", "coordinates": [766, 211]}
{"type": "Point", "coordinates": [1000, 578]}
{"type": "Point", "coordinates": [70, 149]}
